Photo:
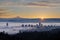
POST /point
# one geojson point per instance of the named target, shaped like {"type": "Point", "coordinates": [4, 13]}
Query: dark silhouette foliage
{"type": "Point", "coordinates": [45, 35]}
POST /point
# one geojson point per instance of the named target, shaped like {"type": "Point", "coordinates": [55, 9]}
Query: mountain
{"type": "Point", "coordinates": [29, 20]}
{"type": "Point", "coordinates": [56, 20]}
{"type": "Point", "coordinates": [19, 20]}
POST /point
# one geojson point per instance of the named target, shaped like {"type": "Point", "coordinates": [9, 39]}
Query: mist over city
{"type": "Point", "coordinates": [29, 19]}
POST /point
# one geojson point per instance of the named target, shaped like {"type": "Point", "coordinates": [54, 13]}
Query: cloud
{"type": "Point", "coordinates": [36, 4]}
{"type": "Point", "coordinates": [30, 3]}
{"type": "Point", "coordinates": [3, 12]}
{"type": "Point", "coordinates": [3, 9]}
{"type": "Point", "coordinates": [44, 3]}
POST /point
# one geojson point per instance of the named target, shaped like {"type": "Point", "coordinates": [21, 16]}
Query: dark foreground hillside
{"type": "Point", "coordinates": [47, 35]}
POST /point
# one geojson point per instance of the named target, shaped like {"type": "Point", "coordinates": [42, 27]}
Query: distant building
{"type": "Point", "coordinates": [51, 22]}
{"type": "Point", "coordinates": [20, 22]}
{"type": "Point", "coordinates": [6, 24]}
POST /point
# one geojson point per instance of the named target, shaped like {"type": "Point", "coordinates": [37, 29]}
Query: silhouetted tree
{"type": "Point", "coordinates": [26, 26]}
{"type": "Point", "coordinates": [22, 25]}
{"type": "Point", "coordinates": [29, 25]}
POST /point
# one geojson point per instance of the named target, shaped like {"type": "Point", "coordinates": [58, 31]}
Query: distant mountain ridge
{"type": "Point", "coordinates": [52, 20]}
{"type": "Point", "coordinates": [19, 20]}
{"type": "Point", "coordinates": [29, 20]}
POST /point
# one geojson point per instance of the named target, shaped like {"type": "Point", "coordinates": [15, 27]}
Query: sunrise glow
{"type": "Point", "coordinates": [29, 9]}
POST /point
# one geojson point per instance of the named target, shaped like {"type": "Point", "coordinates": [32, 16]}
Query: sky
{"type": "Point", "coordinates": [30, 8]}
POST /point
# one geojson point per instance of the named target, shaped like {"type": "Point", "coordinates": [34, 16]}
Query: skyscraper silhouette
{"type": "Point", "coordinates": [6, 24]}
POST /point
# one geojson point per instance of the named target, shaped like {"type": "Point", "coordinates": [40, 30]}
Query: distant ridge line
{"type": "Point", "coordinates": [29, 20]}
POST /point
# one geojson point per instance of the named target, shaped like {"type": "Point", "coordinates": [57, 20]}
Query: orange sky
{"type": "Point", "coordinates": [30, 8]}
